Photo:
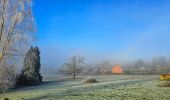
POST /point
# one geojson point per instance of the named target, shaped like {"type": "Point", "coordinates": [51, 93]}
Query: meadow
{"type": "Point", "coordinates": [108, 87]}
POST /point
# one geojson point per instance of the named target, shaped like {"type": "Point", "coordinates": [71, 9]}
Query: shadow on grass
{"type": "Point", "coordinates": [38, 98]}
{"type": "Point", "coordinates": [44, 86]}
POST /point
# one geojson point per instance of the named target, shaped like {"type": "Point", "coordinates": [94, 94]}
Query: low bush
{"type": "Point", "coordinates": [7, 77]}
{"type": "Point", "coordinates": [89, 80]}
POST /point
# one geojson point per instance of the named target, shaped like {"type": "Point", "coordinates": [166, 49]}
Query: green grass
{"type": "Point", "coordinates": [108, 87]}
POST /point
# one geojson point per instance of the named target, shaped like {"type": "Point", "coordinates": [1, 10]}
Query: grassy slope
{"type": "Point", "coordinates": [111, 87]}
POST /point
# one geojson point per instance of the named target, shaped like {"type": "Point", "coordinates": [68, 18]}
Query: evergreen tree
{"type": "Point", "coordinates": [30, 74]}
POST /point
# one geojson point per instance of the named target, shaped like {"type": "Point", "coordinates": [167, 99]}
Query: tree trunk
{"type": "Point", "coordinates": [74, 75]}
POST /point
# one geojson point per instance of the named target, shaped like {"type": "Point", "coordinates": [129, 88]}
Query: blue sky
{"type": "Point", "coordinates": [102, 29]}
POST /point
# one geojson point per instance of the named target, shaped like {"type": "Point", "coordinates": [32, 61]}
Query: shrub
{"type": "Point", "coordinates": [89, 80]}
{"type": "Point", "coordinates": [7, 77]}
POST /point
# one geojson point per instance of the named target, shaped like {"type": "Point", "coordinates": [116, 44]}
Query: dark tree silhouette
{"type": "Point", "coordinates": [30, 74]}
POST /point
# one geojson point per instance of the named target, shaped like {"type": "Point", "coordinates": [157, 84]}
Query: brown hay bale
{"type": "Point", "coordinates": [165, 77]}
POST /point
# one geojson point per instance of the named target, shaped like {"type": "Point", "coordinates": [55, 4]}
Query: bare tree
{"type": "Point", "coordinates": [16, 22]}
{"type": "Point", "coordinates": [105, 67]}
{"type": "Point", "coordinates": [74, 65]}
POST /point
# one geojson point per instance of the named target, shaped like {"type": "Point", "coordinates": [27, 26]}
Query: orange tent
{"type": "Point", "coordinates": [117, 69]}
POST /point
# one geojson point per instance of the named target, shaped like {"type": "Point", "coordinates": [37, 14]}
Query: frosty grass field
{"type": "Point", "coordinates": [108, 87]}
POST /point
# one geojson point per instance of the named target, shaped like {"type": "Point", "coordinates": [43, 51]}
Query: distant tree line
{"type": "Point", "coordinates": [156, 65]}
{"type": "Point", "coordinates": [76, 65]}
